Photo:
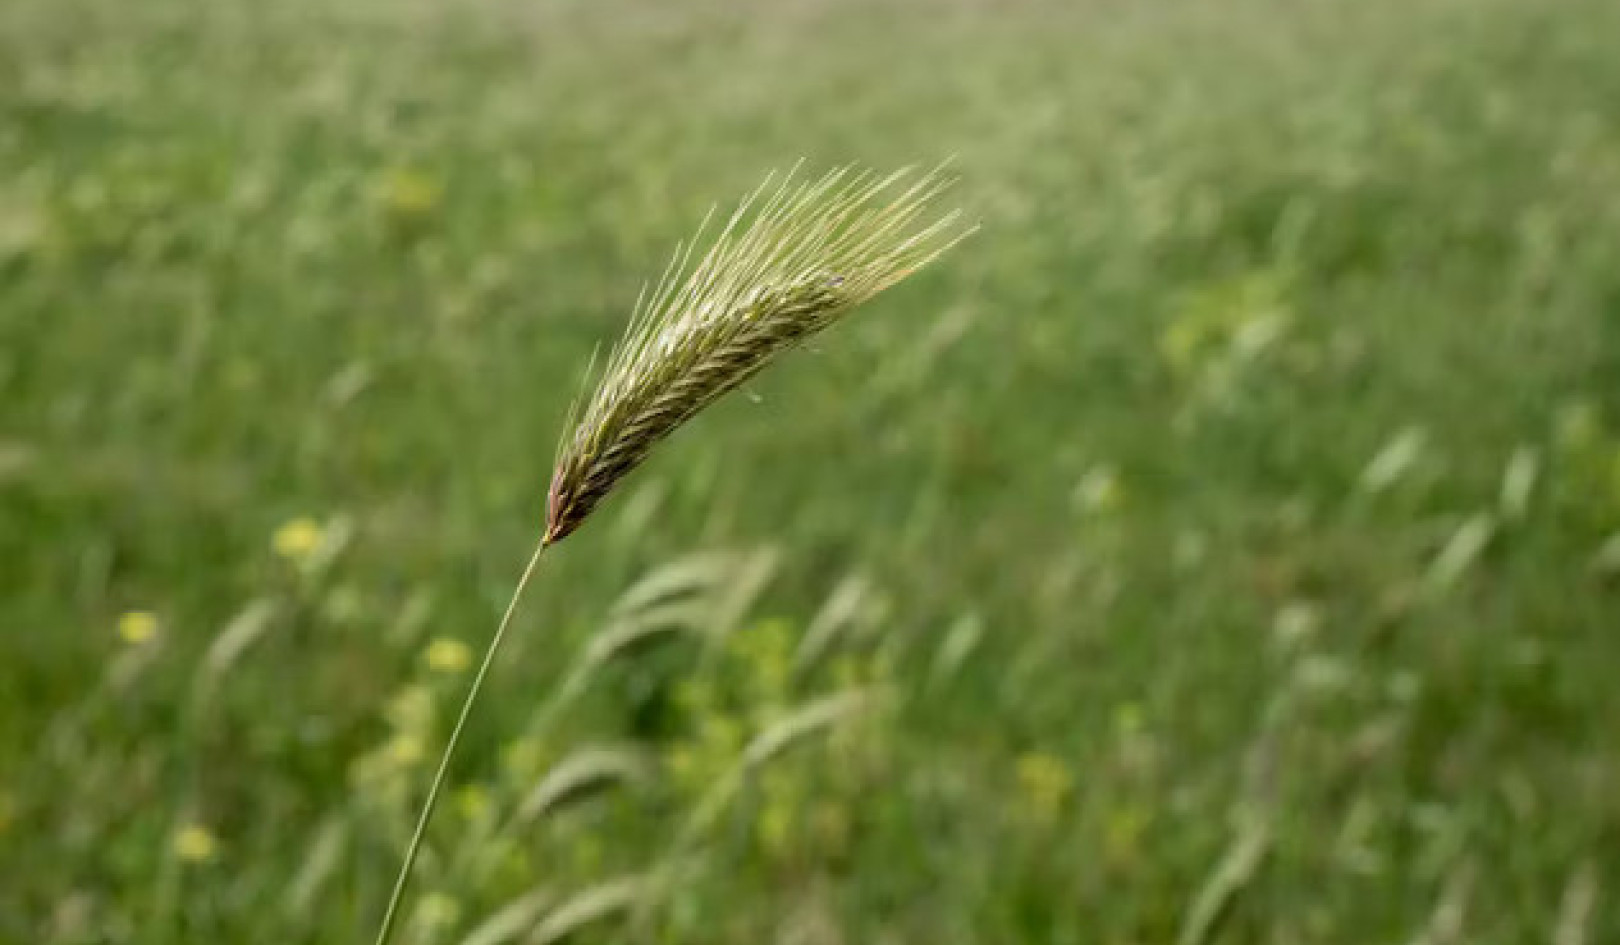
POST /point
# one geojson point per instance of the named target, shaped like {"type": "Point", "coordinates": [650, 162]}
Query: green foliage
{"type": "Point", "coordinates": [1224, 545]}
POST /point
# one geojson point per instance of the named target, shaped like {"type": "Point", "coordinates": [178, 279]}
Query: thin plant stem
{"type": "Point", "coordinates": [405, 869]}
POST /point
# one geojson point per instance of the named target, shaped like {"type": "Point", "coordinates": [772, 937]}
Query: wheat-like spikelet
{"type": "Point", "coordinates": [775, 275]}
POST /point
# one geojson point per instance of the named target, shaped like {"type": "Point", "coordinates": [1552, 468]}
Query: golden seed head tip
{"type": "Point", "coordinates": [793, 258]}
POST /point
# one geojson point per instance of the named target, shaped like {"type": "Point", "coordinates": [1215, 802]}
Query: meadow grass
{"type": "Point", "coordinates": [1222, 550]}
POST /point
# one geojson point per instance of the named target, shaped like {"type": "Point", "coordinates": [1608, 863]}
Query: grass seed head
{"type": "Point", "coordinates": [794, 258]}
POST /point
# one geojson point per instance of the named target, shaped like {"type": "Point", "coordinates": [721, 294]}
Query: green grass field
{"type": "Point", "coordinates": [1222, 545]}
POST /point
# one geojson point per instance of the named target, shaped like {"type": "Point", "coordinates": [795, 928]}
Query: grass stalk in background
{"type": "Point", "coordinates": [793, 258]}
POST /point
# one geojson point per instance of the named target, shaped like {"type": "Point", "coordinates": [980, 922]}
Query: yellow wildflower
{"type": "Point", "coordinates": [409, 194]}
{"type": "Point", "coordinates": [194, 843]}
{"type": "Point", "coordinates": [473, 802]}
{"type": "Point", "coordinates": [137, 627]}
{"type": "Point", "coordinates": [447, 655]}
{"type": "Point", "coordinates": [404, 750]}
{"type": "Point", "coordinates": [1045, 782]}
{"type": "Point", "coordinates": [298, 539]}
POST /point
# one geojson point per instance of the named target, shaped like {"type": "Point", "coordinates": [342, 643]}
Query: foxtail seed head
{"type": "Point", "coordinates": [793, 259]}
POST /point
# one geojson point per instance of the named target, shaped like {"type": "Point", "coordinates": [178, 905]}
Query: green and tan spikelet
{"type": "Point", "coordinates": [794, 258]}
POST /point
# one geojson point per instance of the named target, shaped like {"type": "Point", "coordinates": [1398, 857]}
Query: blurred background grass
{"type": "Point", "coordinates": [1225, 537]}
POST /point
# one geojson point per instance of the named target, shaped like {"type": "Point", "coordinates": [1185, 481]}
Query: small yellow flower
{"type": "Point", "coordinates": [447, 655]}
{"type": "Point", "coordinates": [409, 194]}
{"type": "Point", "coordinates": [193, 843]}
{"type": "Point", "coordinates": [1045, 782]}
{"type": "Point", "coordinates": [404, 750]}
{"type": "Point", "coordinates": [137, 627]}
{"type": "Point", "coordinates": [298, 539]}
{"type": "Point", "coordinates": [473, 802]}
